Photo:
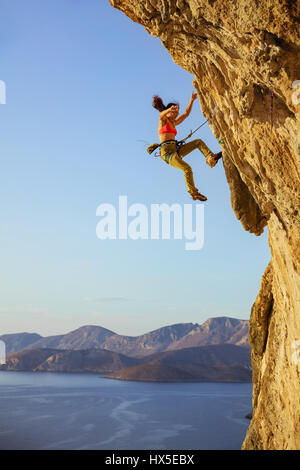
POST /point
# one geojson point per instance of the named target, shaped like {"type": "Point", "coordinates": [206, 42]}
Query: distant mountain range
{"type": "Point", "coordinates": [217, 330]}
{"type": "Point", "coordinates": [214, 363]}
{"type": "Point", "coordinates": [18, 341]}
{"type": "Point", "coordinates": [218, 351]}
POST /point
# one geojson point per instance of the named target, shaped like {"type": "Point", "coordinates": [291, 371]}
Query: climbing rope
{"type": "Point", "coordinates": [193, 132]}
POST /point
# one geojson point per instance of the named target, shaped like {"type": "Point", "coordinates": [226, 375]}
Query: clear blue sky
{"type": "Point", "coordinates": [80, 77]}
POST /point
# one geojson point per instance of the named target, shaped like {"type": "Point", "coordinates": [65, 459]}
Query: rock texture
{"type": "Point", "coordinates": [240, 52]}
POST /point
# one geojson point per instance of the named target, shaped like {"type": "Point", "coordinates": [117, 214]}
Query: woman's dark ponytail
{"type": "Point", "coordinates": [158, 104]}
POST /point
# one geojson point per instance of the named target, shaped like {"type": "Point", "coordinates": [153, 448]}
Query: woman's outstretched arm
{"type": "Point", "coordinates": [188, 110]}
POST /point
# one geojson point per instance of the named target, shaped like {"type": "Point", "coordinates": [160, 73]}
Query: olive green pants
{"type": "Point", "coordinates": [173, 155]}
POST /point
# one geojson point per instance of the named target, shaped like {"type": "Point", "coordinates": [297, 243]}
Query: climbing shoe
{"type": "Point", "coordinates": [212, 159]}
{"type": "Point", "coordinates": [217, 156]}
{"type": "Point", "coordinates": [199, 197]}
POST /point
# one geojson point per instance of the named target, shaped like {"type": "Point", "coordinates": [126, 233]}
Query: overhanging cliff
{"type": "Point", "coordinates": [241, 52]}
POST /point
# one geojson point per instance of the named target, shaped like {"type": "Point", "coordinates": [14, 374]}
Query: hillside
{"type": "Point", "coordinates": [217, 330]}
{"type": "Point", "coordinates": [18, 341]}
{"type": "Point", "coordinates": [85, 337]}
{"type": "Point", "coordinates": [209, 355]}
{"type": "Point", "coordinates": [53, 360]}
{"type": "Point", "coordinates": [155, 371]}
{"type": "Point", "coordinates": [215, 363]}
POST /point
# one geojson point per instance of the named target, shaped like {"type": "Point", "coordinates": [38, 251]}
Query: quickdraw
{"type": "Point", "coordinates": [193, 132]}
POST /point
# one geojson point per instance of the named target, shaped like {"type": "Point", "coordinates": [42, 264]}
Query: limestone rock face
{"type": "Point", "coordinates": [240, 52]}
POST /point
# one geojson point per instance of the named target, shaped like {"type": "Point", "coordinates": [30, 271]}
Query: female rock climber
{"type": "Point", "coordinates": [171, 150]}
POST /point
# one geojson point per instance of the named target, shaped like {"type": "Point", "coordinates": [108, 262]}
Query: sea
{"type": "Point", "coordinates": [58, 411]}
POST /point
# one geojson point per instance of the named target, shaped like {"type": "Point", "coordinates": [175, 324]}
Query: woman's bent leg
{"type": "Point", "coordinates": [177, 162]}
{"type": "Point", "coordinates": [198, 143]}
{"type": "Point", "coordinates": [190, 146]}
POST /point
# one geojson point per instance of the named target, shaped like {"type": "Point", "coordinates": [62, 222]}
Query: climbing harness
{"type": "Point", "coordinates": [179, 143]}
